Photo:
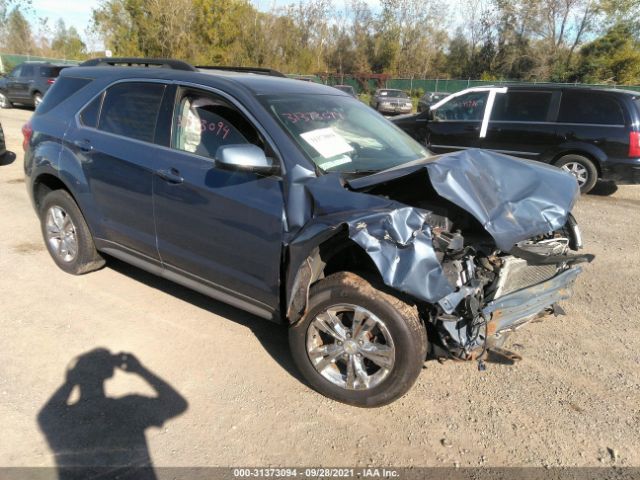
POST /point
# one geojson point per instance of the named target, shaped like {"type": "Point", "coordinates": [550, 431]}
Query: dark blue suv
{"type": "Point", "coordinates": [299, 204]}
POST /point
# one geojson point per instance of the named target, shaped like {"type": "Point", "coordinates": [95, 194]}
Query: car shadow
{"type": "Point", "coordinates": [95, 436]}
{"type": "Point", "coordinates": [604, 188]}
{"type": "Point", "coordinates": [7, 159]}
{"type": "Point", "coordinates": [272, 336]}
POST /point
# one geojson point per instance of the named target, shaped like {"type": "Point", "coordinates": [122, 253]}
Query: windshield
{"type": "Point", "coordinates": [341, 134]}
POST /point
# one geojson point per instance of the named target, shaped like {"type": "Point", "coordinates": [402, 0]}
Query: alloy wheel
{"type": "Point", "coordinates": [61, 234]}
{"type": "Point", "coordinates": [577, 170]}
{"type": "Point", "coordinates": [350, 346]}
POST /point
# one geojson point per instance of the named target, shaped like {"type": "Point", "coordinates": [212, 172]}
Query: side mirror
{"type": "Point", "coordinates": [245, 158]}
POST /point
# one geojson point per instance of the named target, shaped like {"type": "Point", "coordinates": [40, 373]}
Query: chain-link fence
{"type": "Point", "coordinates": [9, 60]}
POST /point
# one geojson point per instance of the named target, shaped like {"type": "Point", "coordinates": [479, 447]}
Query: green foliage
{"type": "Point", "coordinates": [612, 58]}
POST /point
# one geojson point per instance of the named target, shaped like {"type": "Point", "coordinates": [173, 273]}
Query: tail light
{"type": "Point", "coordinates": [27, 131]}
{"type": "Point", "coordinates": [634, 144]}
{"type": "Point", "coordinates": [50, 81]}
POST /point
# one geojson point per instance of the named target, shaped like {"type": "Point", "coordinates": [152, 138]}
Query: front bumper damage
{"type": "Point", "coordinates": [513, 309]}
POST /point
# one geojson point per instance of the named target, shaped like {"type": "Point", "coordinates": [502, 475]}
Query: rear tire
{"type": "Point", "coordinates": [580, 167]}
{"type": "Point", "coordinates": [67, 235]}
{"type": "Point", "coordinates": [4, 101]}
{"type": "Point", "coordinates": [37, 99]}
{"type": "Point", "coordinates": [372, 354]}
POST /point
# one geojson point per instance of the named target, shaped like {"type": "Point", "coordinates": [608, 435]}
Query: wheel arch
{"type": "Point", "coordinates": [45, 183]}
{"type": "Point", "coordinates": [595, 157]}
{"type": "Point", "coordinates": [331, 254]}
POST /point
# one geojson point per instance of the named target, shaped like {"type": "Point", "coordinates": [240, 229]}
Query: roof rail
{"type": "Point", "coordinates": [138, 62]}
{"type": "Point", "coordinates": [257, 70]}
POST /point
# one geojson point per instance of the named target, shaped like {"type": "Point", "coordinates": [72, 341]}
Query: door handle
{"type": "Point", "coordinates": [171, 175]}
{"type": "Point", "coordinates": [472, 128]}
{"type": "Point", "coordinates": [83, 145]}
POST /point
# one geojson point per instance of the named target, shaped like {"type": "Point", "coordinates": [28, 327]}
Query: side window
{"type": "Point", "coordinates": [467, 107]}
{"type": "Point", "coordinates": [203, 122]}
{"type": "Point", "coordinates": [131, 110]}
{"type": "Point", "coordinates": [590, 107]}
{"type": "Point", "coordinates": [16, 72]}
{"type": "Point", "coordinates": [27, 71]}
{"type": "Point", "coordinates": [521, 106]}
{"type": "Point", "coordinates": [62, 89]}
{"type": "Point", "coordinates": [89, 115]}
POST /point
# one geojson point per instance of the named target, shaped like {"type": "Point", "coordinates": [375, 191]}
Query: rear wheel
{"type": "Point", "coordinates": [580, 167]}
{"type": "Point", "coordinates": [4, 101]}
{"type": "Point", "coordinates": [37, 99]}
{"type": "Point", "coordinates": [358, 344]}
{"type": "Point", "coordinates": [67, 235]}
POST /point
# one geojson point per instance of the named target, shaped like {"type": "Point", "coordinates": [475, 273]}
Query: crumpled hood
{"type": "Point", "coordinates": [514, 199]}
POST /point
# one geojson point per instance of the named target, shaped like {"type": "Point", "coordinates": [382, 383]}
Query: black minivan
{"type": "Point", "coordinates": [592, 133]}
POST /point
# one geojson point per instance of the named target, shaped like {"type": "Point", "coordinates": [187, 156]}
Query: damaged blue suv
{"type": "Point", "coordinates": [299, 204]}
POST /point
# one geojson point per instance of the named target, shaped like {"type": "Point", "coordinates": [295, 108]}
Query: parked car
{"type": "Point", "coordinates": [3, 145]}
{"type": "Point", "coordinates": [297, 203]}
{"type": "Point", "coordinates": [346, 89]}
{"type": "Point", "coordinates": [590, 132]}
{"type": "Point", "coordinates": [27, 83]}
{"type": "Point", "coordinates": [429, 99]}
{"type": "Point", "coordinates": [388, 101]}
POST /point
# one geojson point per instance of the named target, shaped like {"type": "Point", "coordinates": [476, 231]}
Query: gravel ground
{"type": "Point", "coordinates": [572, 401]}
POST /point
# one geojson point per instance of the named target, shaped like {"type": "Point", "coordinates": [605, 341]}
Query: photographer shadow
{"type": "Point", "coordinates": [97, 436]}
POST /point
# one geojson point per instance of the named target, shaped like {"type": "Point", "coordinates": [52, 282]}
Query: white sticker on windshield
{"type": "Point", "coordinates": [334, 163]}
{"type": "Point", "coordinates": [327, 142]}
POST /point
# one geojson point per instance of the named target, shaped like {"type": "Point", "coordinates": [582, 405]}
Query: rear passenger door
{"type": "Point", "coordinates": [521, 123]}
{"type": "Point", "coordinates": [217, 228]}
{"type": "Point", "coordinates": [114, 140]}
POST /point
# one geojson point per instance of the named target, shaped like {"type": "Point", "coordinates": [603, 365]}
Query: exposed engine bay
{"type": "Point", "coordinates": [483, 275]}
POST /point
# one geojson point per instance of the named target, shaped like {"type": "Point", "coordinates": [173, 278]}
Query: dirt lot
{"type": "Point", "coordinates": [572, 400]}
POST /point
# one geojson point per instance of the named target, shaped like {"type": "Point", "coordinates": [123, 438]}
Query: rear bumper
{"type": "Point", "coordinates": [519, 307]}
{"type": "Point", "coordinates": [622, 171]}
{"type": "Point", "coordinates": [394, 110]}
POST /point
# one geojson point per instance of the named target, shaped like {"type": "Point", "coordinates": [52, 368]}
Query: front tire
{"type": "Point", "coordinates": [358, 344]}
{"type": "Point", "coordinates": [582, 168]}
{"type": "Point", "coordinates": [67, 235]}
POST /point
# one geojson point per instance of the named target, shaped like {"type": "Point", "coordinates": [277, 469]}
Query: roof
{"type": "Point", "coordinates": [257, 84]}
{"type": "Point", "coordinates": [555, 86]}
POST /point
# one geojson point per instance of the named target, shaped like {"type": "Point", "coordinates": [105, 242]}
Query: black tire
{"type": "Point", "coordinates": [402, 323]}
{"type": "Point", "coordinates": [6, 103]}
{"type": "Point", "coordinates": [86, 258]}
{"type": "Point", "coordinates": [588, 166]}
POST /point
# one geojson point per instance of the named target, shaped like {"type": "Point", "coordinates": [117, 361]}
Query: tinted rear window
{"type": "Point", "coordinates": [521, 106]}
{"type": "Point", "coordinates": [590, 107]}
{"type": "Point", "coordinates": [131, 110]}
{"type": "Point", "coordinates": [62, 89]}
{"type": "Point", "coordinates": [50, 72]}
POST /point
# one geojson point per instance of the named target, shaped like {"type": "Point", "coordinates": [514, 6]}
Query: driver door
{"type": "Point", "coordinates": [458, 123]}
{"type": "Point", "coordinates": [221, 230]}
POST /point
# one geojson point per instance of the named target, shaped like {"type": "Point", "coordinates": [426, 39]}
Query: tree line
{"type": "Point", "coordinates": [592, 41]}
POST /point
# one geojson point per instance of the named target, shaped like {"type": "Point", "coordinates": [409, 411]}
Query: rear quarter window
{"type": "Point", "coordinates": [63, 88]}
{"type": "Point", "coordinates": [588, 107]}
{"type": "Point", "coordinates": [50, 72]}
